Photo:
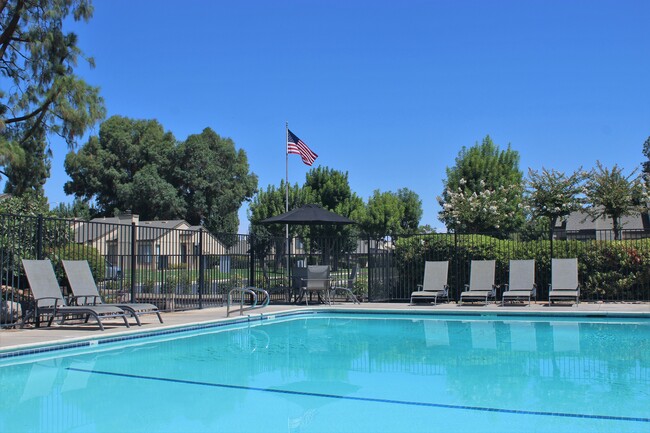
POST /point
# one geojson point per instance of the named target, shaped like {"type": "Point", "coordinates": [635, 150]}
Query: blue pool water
{"type": "Point", "coordinates": [344, 373]}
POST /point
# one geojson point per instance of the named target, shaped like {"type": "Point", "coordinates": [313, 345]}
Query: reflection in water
{"type": "Point", "coordinates": [436, 333]}
{"type": "Point", "coordinates": [566, 337]}
{"type": "Point", "coordinates": [554, 366]}
{"type": "Point", "coordinates": [483, 335]}
{"type": "Point", "coordinates": [523, 337]}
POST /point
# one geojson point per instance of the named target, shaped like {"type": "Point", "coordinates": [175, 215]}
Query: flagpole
{"type": "Point", "coordinates": [286, 194]}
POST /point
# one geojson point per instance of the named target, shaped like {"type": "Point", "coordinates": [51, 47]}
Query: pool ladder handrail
{"type": "Point", "coordinates": [251, 291]}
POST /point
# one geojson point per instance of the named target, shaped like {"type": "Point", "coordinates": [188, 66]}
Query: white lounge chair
{"type": "Point", "coordinates": [434, 285]}
{"type": "Point", "coordinates": [481, 282]}
{"type": "Point", "coordinates": [564, 281]}
{"type": "Point", "coordinates": [521, 282]}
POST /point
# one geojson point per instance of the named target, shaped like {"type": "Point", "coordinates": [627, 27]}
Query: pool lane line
{"type": "Point", "coordinates": [364, 399]}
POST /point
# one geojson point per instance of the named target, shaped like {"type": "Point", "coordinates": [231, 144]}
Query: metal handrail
{"type": "Point", "coordinates": [253, 291]}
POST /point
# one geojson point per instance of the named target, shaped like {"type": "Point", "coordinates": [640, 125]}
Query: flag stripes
{"type": "Point", "coordinates": [298, 147]}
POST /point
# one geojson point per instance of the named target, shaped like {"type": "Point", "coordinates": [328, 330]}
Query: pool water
{"type": "Point", "coordinates": [345, 373]}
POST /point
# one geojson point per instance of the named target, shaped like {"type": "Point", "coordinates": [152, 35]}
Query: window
{"type": "Point", "coordinates": [111, 252]}
{"type": "Point", "coordinates": [144, 254]}
{"type": "Point", "coordinates": [183, 253]}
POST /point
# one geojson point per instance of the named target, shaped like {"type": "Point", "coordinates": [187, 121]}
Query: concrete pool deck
{"type": "Point", "coordinates": [14, 339]}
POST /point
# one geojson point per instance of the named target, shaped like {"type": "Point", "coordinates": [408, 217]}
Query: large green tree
{"type": "Point", "coordinates": [40, 93]}
{"type": "Point", "coordinates": [613, 194]}
{"type": "Point", "coordinates": [411, 211]}
{"type": "Point", "coordinates": [331, 189]}
{"type": "Point", "coordinates": [323, 186]}
{"type": "Point", "coordinates": [483, 190]}
{"type": "Point", "coordinates": [126, 167]}
{"type": "Point", "coordinates": [32, 169]}
{"type": "Point", "coordinates": [265, 204]}
{"type": "Point", "coordinates": [135, 165]}
{"type": "Point", "coordinates": [393, 214]}
{"type": "Point", "coordinates": [213, 180]}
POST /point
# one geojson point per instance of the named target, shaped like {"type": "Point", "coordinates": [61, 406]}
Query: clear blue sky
{"type": "Point", "coordinates": [388, 91]}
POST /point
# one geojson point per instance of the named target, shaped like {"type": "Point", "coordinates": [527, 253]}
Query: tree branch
{"type": "Point", "coordinates": [3, 4]}
{"type": "Point", "coordinates": [36, 112]}
{"type": "Point", "coordinates": [5, 37]}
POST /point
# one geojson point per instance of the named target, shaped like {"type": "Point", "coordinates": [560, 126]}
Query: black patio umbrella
{"type": "Point", "coordinates": [310, 214]}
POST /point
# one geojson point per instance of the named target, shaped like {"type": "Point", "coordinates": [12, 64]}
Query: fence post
{"type": "Point", "coordinates": [551, 233]}
{"type": "Point", "coordinates": [201, 268]}
{"type": "Point", "coordinates": [370, 297]}
{"type": "Point", "coordinates": [133, 259]}
{"type": "Point", "coordinates": [39, 237]}
{"type": "Point", "coordinates": [251, 262]}
{"type": "Point", "coordinates": [457, 288]}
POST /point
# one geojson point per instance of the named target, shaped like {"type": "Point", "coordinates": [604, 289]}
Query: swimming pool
{"type": "Point", "coordinates": [344, 372]}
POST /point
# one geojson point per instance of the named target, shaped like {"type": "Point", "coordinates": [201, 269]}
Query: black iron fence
{"type": "Point", "coordinates": [610, 268]}
{"type": "Point", "coordinates": [177, 266]}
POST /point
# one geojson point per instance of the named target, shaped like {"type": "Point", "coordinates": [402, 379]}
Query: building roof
{"type": "Point", "coordinates": [581, 220]}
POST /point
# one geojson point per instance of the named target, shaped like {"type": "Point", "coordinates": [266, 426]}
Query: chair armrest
{"type": "Point", "coordinates": [420, 287]}
{"type": "Point", "coordinates": [56, 300]}
{"type": "Point", "coordinates": [86, 299]}
{"type": "Point", "coordinates": [466, 287]}
{"type": "Point", "coordinates": [506, 287]}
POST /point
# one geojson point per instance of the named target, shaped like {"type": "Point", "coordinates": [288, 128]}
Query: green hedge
{"type": "Point", "coordinates": [609, 270]}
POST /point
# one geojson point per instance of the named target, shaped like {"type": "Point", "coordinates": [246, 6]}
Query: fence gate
{"type": "Point", "coordinates": [382, 274]}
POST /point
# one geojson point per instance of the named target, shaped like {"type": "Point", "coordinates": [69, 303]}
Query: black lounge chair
{"type": "Point", "coordinates": [49, 299]}
{"type": "Point", "coordinates": [85, 291]}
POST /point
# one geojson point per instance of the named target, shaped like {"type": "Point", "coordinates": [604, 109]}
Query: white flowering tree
{"type": "Point", "coordinates": [552, 194]}
{"type": "Point", "coordinates": [611, 193]}
{"type": "Point", "coordinates": [483, 191]}
{"type": "Point", "coordinates": [478, 211]}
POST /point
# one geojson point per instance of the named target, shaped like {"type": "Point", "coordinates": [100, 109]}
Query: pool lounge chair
{"type": "Point", "coordinates": [481, 282]}
{"type": "Point", "coordinates": [85, 291]}
{"type": "Point", "coordinates": [564, 281]}
{"type": "Point", "coordinates": [49, 299]}
{"type": "Point", "coordinates": [434, 286]}
{"type": "Point", "coordinates": [521, 282]}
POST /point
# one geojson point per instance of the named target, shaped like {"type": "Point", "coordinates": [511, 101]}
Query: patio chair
{"type": "Point", "coordinates": [481, 282]}
{"type": "Point", "coordinates": [564, 281]}
{"type": "Point", "coordinates": [521, 282]}
{"type": "Point", "coordinates": [271, 288]}
{"type": "Point", "coordinates": [434, 285]}
{"type": "Point", "coordinates": [347, 289]}
{"type": "Point", "coordinates": [298, 274]}
{"type": "Point", "coordinates": [317, 281]}
{"type": "Point", "coordinates": [49, 299]}
{"type": "Point", "coordinates": [85, 291]}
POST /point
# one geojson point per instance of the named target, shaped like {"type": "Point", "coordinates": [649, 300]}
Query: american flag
{"type": "Point", "coordinates": [297, 146]}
